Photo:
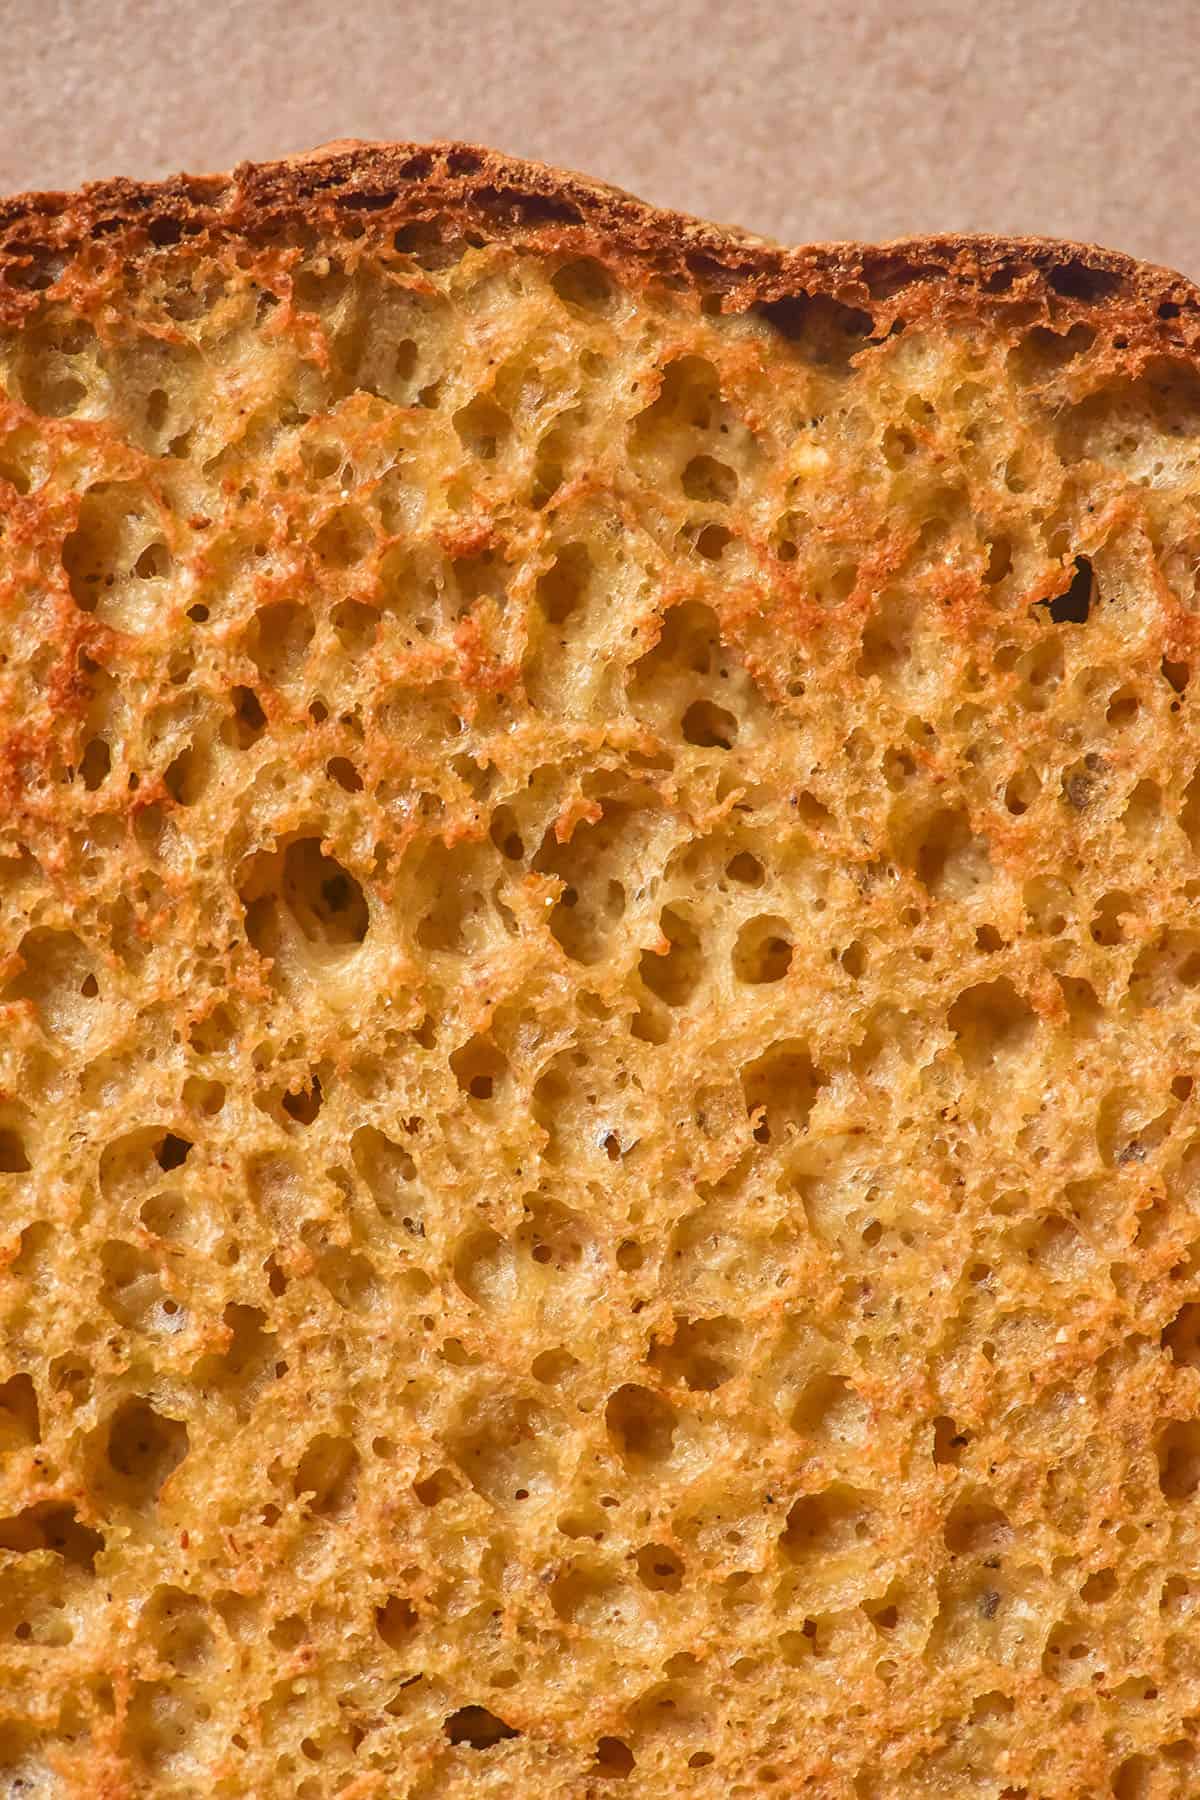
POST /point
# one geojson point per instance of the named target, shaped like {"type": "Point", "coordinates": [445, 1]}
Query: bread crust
{"type": "Point", "coordinates": [534, 205]}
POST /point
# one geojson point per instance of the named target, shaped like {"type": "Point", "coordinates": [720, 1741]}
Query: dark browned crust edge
{"type": "Point", "coordinates": [469, 188]}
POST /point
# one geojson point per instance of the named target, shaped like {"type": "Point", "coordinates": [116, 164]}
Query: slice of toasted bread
{"type": "Point", "coordinates": [599, 999]}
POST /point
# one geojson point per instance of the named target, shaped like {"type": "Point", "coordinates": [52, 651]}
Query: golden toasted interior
{"type": "Point", "coordinates": [599, 997]}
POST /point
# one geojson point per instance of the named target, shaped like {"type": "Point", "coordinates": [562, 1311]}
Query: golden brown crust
{"type": "Point", "coordinates": [599, 1000]}
{"type": "Point", "coordinates": [531, 203]}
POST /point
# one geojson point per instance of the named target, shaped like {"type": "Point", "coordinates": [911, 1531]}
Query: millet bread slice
{"type": "Point", "coordinates": [599, 1000]}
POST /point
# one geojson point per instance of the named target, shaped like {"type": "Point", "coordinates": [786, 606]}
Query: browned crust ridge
{"type": "Point", "coordinates": [532, 204]}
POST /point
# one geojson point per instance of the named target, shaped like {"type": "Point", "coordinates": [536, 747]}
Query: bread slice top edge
{"type": "Point", "coordinates": [348, 188]}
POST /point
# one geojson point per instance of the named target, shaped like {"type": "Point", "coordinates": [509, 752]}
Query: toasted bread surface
{"type": "Point", "coordinates": [599, 1000]}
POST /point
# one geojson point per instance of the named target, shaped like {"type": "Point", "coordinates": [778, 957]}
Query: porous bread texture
{"type": "Point", "coordinates": [599, 1001]}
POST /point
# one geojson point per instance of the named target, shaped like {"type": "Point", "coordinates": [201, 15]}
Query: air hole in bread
{"type": "Point", "coordinates": [641, 1425]}
{"type": "Point", "coordinates": [141, 1450]}
{"type": "Point", "coordinates": [326, 1474]}
{"type": "Point", "coordinates": [829, 1523]}
{"type": "Point", "coordinates": [20, 1419]}
{"type": "Point", "coordinates": [477, 1728]}
{"type": "Point", "coordinates": [1075, 605]}
{"type": "Point", "coordinates": [54, 1527]}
